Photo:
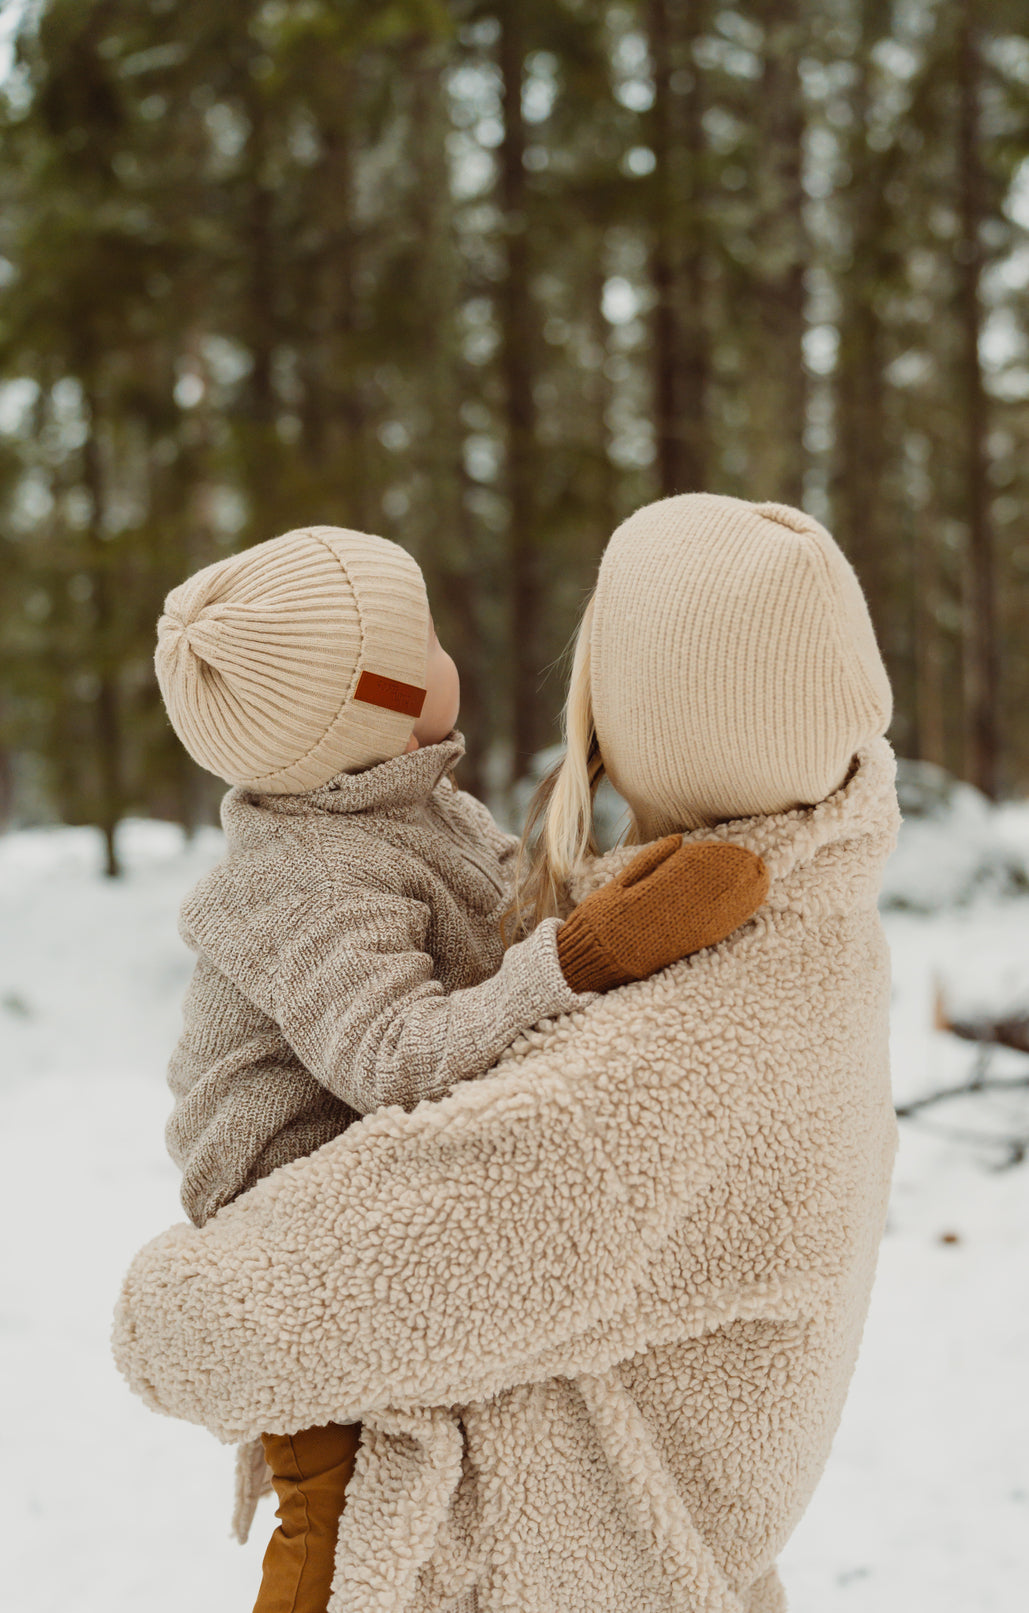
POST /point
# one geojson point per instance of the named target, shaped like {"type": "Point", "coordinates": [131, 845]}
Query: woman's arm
{"type": "Point", "coordinates": [427, 1259]}
{"type": "Point", "coordinates": [440, 1256]}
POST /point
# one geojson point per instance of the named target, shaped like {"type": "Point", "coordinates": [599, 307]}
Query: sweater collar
{"type": "Point", "coordinates": [863, 813]}
{"type": "Point", "coordinates": [400, 781]}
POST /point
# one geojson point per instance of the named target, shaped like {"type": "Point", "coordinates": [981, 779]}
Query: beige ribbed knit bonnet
{"type": "Point", "coordinates": [298, 659]}
{"type": "Point", "coordinates": [734, 665]}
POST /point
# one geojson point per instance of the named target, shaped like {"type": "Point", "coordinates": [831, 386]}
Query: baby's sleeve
{"type": "Point", "coordinates": [243, 1101]}
{"type": "Point", "coordinates": [356, 998]}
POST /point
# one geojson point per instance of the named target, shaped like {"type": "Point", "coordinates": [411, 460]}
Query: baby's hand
{"type": "Point", "coordinates": [671, 900]}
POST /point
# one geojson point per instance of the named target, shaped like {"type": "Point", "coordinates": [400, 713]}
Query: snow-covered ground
{"type": "Point", "coordinates": [925, 1502]}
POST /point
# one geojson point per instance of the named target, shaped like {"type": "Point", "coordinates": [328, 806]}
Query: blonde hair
{"type": "Point", "coordinates": [559, 827]}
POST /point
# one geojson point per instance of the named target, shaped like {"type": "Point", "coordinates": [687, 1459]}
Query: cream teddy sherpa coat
{"type": "Point", "coordinates": [597, 1312]}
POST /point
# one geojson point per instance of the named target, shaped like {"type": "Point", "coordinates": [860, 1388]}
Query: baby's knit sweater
{"type": "Point", "coordinates": [348, 956]}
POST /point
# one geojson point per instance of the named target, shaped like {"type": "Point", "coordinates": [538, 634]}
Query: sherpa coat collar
{"type": "Point", "coordinates": [597, 1313]}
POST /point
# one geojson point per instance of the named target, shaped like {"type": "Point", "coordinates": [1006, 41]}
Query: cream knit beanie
{"type": "Point", "coordinates": [300, 658]}
{"type": "Point", "coordinates": [734, 666]}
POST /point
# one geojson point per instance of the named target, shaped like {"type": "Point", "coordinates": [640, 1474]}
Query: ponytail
{"type": "Point", "coordinates": [559, 830]}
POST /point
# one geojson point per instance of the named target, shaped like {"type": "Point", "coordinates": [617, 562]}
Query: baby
{"type": "Point", "coordinates": [348, 945]}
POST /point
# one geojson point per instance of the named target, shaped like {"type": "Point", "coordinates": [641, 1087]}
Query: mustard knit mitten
{"type": "Point", "coordinates": [671, 900]}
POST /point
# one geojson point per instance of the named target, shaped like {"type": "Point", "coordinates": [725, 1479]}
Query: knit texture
{"type": "Point", "coordinates": [672, 899]}
{"type": "Point", "coordinates": [735, 669]}
{"type": "Point", "coordinates": [598, 1312]}
{"type": "Point", "coordinates": [348, 957]}
{"type": "Point", "coordinates": [260, 657]}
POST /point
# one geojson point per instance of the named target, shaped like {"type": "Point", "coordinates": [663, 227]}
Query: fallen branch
{"type": "Point", "coordinates": [1011, 1030]}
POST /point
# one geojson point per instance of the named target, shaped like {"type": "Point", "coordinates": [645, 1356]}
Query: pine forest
{"type": "Point", "coordinates": [483, 277]}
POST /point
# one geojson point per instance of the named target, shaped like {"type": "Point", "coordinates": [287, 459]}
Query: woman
{"type": "Point", "coordinates": [597, 1313]}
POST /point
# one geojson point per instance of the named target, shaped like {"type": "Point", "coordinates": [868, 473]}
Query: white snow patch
{"type": "Point", "coordinates": [925, 1502]}
{"type": "Point", "coordinates": [954, 844]}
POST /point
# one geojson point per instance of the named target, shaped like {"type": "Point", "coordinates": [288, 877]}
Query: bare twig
{"type": "Point", "coordinates": [976, 1084]}
{"type": "Point", "coordinates": [1015, 1150]}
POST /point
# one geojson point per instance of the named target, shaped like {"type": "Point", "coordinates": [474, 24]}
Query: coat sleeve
{"type": "Point", "coordinates": [432, 1258]}
{"type": "Point", "coordinates": [348, 979]}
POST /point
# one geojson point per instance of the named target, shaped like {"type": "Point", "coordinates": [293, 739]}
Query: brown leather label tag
{"type": "Point", "coordinates": [390, 694]}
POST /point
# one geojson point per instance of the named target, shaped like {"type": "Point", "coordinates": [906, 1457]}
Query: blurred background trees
{"type": "Point", "coordinates": [484, 277]}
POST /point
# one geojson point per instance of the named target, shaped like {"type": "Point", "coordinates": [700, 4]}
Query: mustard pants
{"type": "Point", "coordinates": [310, 1473]}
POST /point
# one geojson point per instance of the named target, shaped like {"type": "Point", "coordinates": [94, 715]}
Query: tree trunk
{"type": "Point", "coordinates": [662, 260]}
{"type": "Point", "coordinates": [333, 409]}
{"type": "Point", "coordinates": [605, 503]}
{"type": "Point", "coordinates": [6, 787]}
{"type": "Point", "coordinates": [679, 327]}
{"type": "Point", "coordinates": [930, 727]}
{"type": "Point", "coordinates": [695, 452]}
{"type": "Point", "coordinates": [779, 388]}
{"type": "Point", "coordinates": [107, 729]}
{"type": "Point", "coordinates": [259, 443]}
{"type": "Point", "coordinates": [981, 664]}
{"type": "Point", "coordinates": [517, 350]}
{"type": "Point", "coordinates": [453, 571]}
{"type": "Point", "coordinates": [859, 393]}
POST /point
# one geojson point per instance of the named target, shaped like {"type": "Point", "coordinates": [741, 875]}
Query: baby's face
{"type": "Point", "coordinates": [442, 696]}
